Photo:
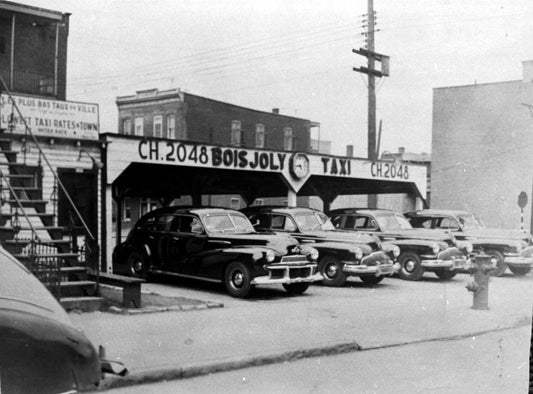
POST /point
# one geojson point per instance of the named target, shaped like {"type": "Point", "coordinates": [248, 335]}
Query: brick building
{"type": "Point", "coordinates": [482, 149]}
{"type": "Point", "coordinates": [33, 50]}
{"type": "Point", "coordinates": [177, 115]}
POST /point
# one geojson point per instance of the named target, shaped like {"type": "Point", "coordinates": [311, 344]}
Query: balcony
{"type": "Point", "coordinates": [30, 82]}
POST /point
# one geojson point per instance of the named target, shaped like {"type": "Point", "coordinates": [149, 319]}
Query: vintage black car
{"type": "Point", "coordinates": [217, 245]}
{"type": "Point", "coordinates": [342, 254]}
{"type": "Point", "coordinates": [420, 250]}
{"type": "Point", "coordinates": [508, 248]}
{"type": "Point", "coordinates": [41, 351]}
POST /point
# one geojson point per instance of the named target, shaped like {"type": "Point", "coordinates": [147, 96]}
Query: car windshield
{"type": "Point", "coordinates": [313, 221]}
{"type": "Point", "coordinates": [393, 221]}
{"type": "Point", "coordinates": [470, 222]}
{"type": "Point", "coordinates": [228, 223]}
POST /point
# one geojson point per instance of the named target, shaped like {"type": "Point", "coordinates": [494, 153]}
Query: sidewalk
{"type": "Point", "coordinates": [208, 338]}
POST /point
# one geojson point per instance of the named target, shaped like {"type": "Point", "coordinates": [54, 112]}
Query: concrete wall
{"type": "Point", "coordinates": [482, 150]}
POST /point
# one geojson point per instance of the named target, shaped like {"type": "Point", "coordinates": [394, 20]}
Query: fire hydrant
{"type": "Point", "coordinates": [482, 268]}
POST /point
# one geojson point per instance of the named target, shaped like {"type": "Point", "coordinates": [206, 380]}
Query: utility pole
{"type": "Point", "coordinates": [372, 73]}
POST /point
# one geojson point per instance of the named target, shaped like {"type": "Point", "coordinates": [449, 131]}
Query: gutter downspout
{"type": "Point", "coordinates": [12, 69]}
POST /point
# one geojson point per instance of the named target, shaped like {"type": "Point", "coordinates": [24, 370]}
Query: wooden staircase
{"type": "Point", "coordinates": [29, 231]}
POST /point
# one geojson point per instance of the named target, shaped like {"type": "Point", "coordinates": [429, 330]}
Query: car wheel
{"type": "Point", "coordinates": [137, 265]}
{"type": "Point", "coordinates": [331, 269]}
{"type": "Point", "coordinates": [411, 266]}
{"type": "Point", "coordinates": [296, 288]}
{"type": "Point", "coordinates": [445, 274]}
{"type": "Point", "coordinates": [520, 270]}
{"type": "Point", "coordinates": [500, 264]}
{"type": "Point", "coordinates": [237, 280]}
{"type": "Point", "coordinates": [371, 279]}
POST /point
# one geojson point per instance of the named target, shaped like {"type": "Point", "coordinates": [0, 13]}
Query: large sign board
{"type": "Point", "coordinates": [49, 118]}
{"type": "Point", "coordinates": [296, 167]}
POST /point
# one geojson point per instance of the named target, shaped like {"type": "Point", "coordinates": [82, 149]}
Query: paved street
{"type": "Point", "coordinates": [273, 328]}
{"type": "Point", "coordinates": [489, 363]}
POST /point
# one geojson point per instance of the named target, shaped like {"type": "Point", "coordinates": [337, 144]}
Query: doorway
{"type": "Point", "coordinates": [82, 188]}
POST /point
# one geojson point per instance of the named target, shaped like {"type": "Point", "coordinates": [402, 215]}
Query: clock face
{"type": "Point", "coordinates": [300, 165]}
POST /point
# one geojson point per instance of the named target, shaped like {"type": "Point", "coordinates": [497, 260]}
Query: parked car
{"type": "Point", "coordinates": [420, 250]}
{"type": "Point", "coordinates": [41, 351]}
{"type": "Point", "coordinates": [342, 254]}
{"type": "Point", "coordinates": [509, 248]}
{"type": "Point", "coordinates": [217, 245]}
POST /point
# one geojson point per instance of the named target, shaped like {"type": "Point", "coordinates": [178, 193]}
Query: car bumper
{"type": "Point", "coordinates": [518, 261]}
{"type": "Point", "coordinates": [376, 270]}
{"type": "Point", "coordinates": [455, 264]}
{"type": "Point", "coordinates": [280, 274]}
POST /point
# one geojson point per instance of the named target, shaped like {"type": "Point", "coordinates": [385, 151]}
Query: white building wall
{"type": "Point", "coordinates": [482, 150]}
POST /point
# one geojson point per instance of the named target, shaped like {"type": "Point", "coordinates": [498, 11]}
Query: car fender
{"type": "Point", "coordinates": [418, 245]}
{"type": "Point", "coordinates": [343, 251]}
{"type": "Point", "coordinates": [501, 245]}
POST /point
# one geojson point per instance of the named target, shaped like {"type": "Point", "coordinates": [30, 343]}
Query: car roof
{"type": "Point", "coordinates": [277, 208]}
{"type": "Point", "coordinates": [373, 211]}
{"type": "Point", "coordinates": [201, 211]}
{"type": "Point", "coordinates": [437, 212]}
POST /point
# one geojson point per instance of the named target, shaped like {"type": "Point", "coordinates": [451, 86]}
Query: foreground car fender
{"type": "Point", "coordinates": [41, 351]}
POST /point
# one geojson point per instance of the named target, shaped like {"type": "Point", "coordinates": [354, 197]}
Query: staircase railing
{"type": "Point", "coordinates": [91, 249]}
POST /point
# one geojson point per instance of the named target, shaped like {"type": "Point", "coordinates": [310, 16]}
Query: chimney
{"type": "Point", "coordinates": [275, 111]}
{"type": "Point", "coordinates": [527, 71]}
{"type": "Point", "coordinates": [349, 150]}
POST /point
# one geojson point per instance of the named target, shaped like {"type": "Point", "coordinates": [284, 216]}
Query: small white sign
{"type": "Point", "coordinates": [50, 118]}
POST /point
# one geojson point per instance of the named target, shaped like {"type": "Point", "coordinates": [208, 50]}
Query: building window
{"type": "Point", "coordinates": [126, 210]}
{"type": "Point", "coordinates": [236, 132]}
{"type": "Point", "coordinates": [287, 138]}
{"type": "Point", "coordinates": [126, 126]}
{"type": "Point", "coordinates": [146, 206]}
{"type": "Point", "coordinates": [259, 135]}
{"type": "Point", "coordinates": [139, 126]}
{"type": "Point", "coordinates": [235, 203]}
{"type": "Point", "coordinates": [171, 126]}
{"type": "Point", "coordinates": [158, 126]}
{"type": "Point", "coordinates": [259, 202]}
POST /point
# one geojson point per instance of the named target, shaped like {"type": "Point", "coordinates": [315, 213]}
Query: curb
{"type": "Point", "coordinates": [193, 370]}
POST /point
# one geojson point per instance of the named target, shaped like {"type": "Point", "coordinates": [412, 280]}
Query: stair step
{"type": "Point", "coordinates": [29, 214]}
{"type": "Point", "coordinates": [50, 242]}
{"type": "Point", "coordinates": [18, 176]}
{"type": "Point", "coordinates": [78, 283]}
{"type": "Point", "coordinates": [85, 304]}
{"type": "Point", "coordinates": [46, 256]}
{"type": "Point", "coordinates": [73, 270]}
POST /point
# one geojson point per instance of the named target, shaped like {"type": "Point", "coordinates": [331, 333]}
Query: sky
{"type": "Point", "coordinates": [296, 56]}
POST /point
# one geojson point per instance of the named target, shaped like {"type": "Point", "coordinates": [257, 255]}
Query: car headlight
{"type": "Point", "coordinates": [269, 256]}
{"type": "Point", "coordinates": [435, 248]}
{"type": "Point", "coordinates": [358, 253]}
{"type": "Point", "coordinates": [519, 246]}
{"type": "Point", "coordinates": [395, 251]}
{"type": "Point", "coordinates": [310, 252]}
{"type": "Point", "coordinates": [313, 254]}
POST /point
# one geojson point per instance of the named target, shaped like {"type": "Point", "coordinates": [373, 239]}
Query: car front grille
{"type": "Point", "coordinates": [299, 273]}
{"type": "Point", "coordinates": [295, 258]}
{"type": "Point", "coordinates": [450, 254]}
{"type": "Point", "coordinates": [375, 258]}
